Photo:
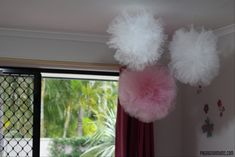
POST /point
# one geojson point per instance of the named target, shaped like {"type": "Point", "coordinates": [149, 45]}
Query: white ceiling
{"type": "Point", "coordinates": [93, 16]}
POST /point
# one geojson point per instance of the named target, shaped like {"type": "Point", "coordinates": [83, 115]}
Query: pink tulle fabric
{"type": "Point", "coordinates": [147, 95]}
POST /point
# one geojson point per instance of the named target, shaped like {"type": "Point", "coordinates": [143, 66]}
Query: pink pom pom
{"type": "Point", "coordinates": [147, 95]}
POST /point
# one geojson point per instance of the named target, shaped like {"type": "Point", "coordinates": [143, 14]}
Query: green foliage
{"type": "Point", "coordinates": [63, 98]}
{"type": "Point", "coordinates": [58, 146]}
{"type": "Point", "coordinates": [102, 143]}
{"type": "Point", "coordinates": [73, 104]}
{"type": "Point", "coordinates": [89, 127]}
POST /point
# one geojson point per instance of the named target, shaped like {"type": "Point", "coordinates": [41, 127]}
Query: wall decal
{"type": "Point", "coordinates": [199, 89]}
{"type": "Point", "coordinates": [208, 127]}
{"type": "Point", "coordinates": [206, 108]}
{"type": "Point", "coordinates": [221, 107]}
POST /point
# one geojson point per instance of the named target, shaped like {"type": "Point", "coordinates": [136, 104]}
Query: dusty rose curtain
{"type": "Point", "coordinates": [133, 138]}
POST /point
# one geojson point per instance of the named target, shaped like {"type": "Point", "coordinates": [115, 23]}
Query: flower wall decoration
{"type": "Point", "coordinates": [208, 127]}
{"type": "Point", "coordinates": [221, 107]}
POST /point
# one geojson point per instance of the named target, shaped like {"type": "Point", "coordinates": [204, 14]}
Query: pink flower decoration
{"type": "Point", "coordinates": [147, 95]}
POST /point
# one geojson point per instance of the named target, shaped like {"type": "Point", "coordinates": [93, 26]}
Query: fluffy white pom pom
{"type": "Point", "coordinates": [194, 57]}
{"type": "Point", "coordinates": [137, 37]}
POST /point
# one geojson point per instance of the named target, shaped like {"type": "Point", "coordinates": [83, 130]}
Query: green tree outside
{"type": "Point", "coordinates": [75, 108]}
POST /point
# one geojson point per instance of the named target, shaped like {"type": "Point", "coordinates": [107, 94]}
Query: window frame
{"type": "Point", "coordinates": [37, 73]}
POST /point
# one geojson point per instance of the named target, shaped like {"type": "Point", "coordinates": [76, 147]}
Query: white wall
{"type": "Point", "coordinates": [223, 87]}
{"type": "Point", "coordinates": [168, 132]}
{"type": "Point", "coordinates": [180, 134]}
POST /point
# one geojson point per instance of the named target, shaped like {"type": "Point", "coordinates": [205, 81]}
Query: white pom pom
{"type": "Point", "coordinates": [194, 58]}
{"type": "Point", "coordinates": [137, 37]}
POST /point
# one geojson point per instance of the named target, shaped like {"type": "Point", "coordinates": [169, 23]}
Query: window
{"type": "Point", "coordinates": [62, 107]}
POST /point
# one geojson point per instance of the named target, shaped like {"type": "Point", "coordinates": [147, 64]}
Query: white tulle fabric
{"type": "Point", "coordinates": [147, 95]}
{"type": "Point", "coordinates": [137, 38]}
{"type": "Point", "coordinates": [194, 56]}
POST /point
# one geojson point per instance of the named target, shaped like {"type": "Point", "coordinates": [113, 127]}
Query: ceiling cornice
{"type": "Point", "coordinates": [81, 37]}
{"type": "Point", "coordinates": [225, 30]}
{"type": "Point", "coordinates": [52, 64]}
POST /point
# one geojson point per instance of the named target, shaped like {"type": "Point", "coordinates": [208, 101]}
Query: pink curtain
{"type": "Point", "coordinates": [133, 138]}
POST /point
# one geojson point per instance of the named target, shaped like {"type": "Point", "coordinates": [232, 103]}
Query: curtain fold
{"type": "Point", "coordinates": [133, 138]}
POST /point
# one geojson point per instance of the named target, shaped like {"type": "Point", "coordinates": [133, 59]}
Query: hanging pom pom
{"type": "Point", "coordinates": [137, 38]}
{"type": "Point", "coordinates": [194, 56]}
{"type": "Point", "coordinates": [147, 95]}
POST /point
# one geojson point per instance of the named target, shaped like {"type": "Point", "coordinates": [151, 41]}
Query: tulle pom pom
{"type": "Point", "coordinates": [147, 95]}
{"type": "Point", "coordinates": [194, 58]}
{"type": "Point", "coordinates": [137, 38]}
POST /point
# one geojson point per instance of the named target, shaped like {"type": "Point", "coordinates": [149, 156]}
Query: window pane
{"type": "Point", "coordinates": [77, 115]}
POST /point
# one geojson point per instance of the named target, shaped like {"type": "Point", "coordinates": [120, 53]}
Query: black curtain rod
{"type": "Point", "coordinates": [22, 70]}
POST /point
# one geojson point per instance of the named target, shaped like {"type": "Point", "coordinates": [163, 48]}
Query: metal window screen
{"type": "Point", "coordinates": [16, 115]}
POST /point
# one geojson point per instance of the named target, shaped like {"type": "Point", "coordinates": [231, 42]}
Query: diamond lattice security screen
{"type": "Point", "coordinates": [16, 115]}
